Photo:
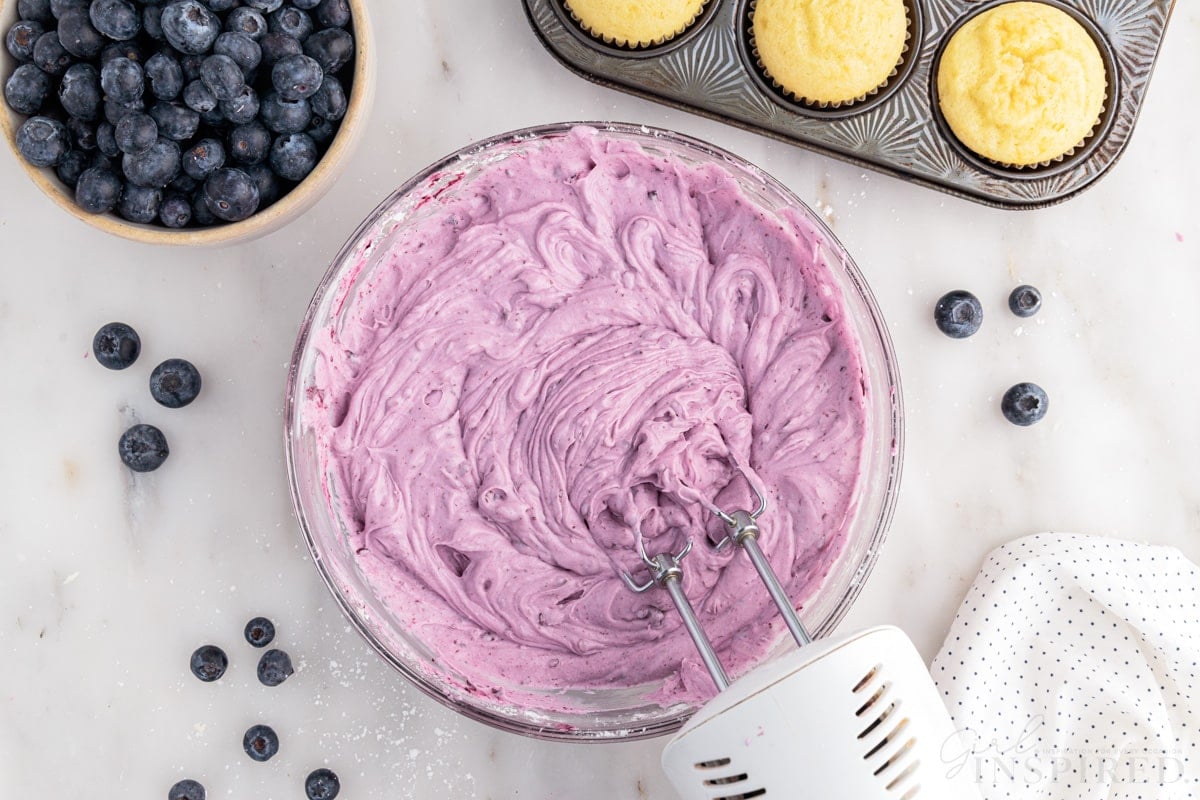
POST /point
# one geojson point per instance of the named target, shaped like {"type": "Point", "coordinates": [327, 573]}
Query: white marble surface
{"type": "Point", "coordinates": [108, 581]}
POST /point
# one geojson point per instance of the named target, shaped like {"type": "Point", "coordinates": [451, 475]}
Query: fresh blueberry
{"type": "Point", "coordinates": [223, 77]}
{"type": "Point", "coordinates": [175, 120]}
{"type": "Point", "coordinates": [333, 13]}
{"type": "Point", "coordinates": [190, 26]}
{"type": "Point", "coordinates": [155, 167]}
{"type": "Point", "coordinates": [293, 156]}
{"type": "Point", "coordinates": [260, 632]}
{"type": "Point", "coordinates": [216, 122]}
{"type": "Point", "coordinates": [249, 143]}
{"type": "Point", "coordinates": [322, 131]}
{"type": "Point", "coordinates": [38, 10]}
{"type": "Point", "coordinates": [44, 142]}
{"type": "Point", "coordinates": [83, 133]}
{"type": "Point", "coordinates": [203, 158]}
{"type": "Point", "coordinates": [116, 19]}
{"type": "Point", "coordinates": [231, 195]}
{"type": "Point", "coordinates": [306, 5]}
{"type": "Point", "coordinates": [183, 183]}
{"type": "Point", "coordinates": [296, 77]}
{"type": "Point", "coordinates": [209, 663]}
{"type": "Point", "coordinates": [191, 67]}
{"type": "Point", "coordinates": [332, 48]}
{"type": "Point", "coordinates": [241, 48]}
{"type": "Point", "coordinates": [143, 448]}
{"type": "Point", "coordinates": [277, 45]}
{"type": "Point", "coordinates": [21, 38]}
{"type": "Point", "coordinates": [139, 204]}
{"type": "Point", "coordinates": [165, 75]}
{"type": "Point", "coordinates": [122, 80]}
{"type": "Point", "coordinates": [198, 97]}
{"type": "Point", "coordinates": [267, 182]}
{"type": "Point", "coordinates": [958, 314]}
{"type": "Point", "coordinates": [174, 383]}
{"type": "Point", "coordinates": [152, 23]}
{"type": "Point", "coordinates": [78, 36]}
{"type": "Point", "coordinates": [322, 784]}
{"type": "Point", "coordinates": [136, 133]}
{"type": "Point", "coordinates": [106, 139]}
{"type": "Point", "coordinates": [26, 89]}
{"type": "Point", "coordinates": [50, 55]}
{"type": "Point", "coordinates": [241, 109]}
{"type": "Point", "coordinates": [291, 21]}
{"type": "Point", "coordinates": [71, 167]}
{"type": "Point", "coordinates": [284, 116]}
{"type": "Point", "coordinates": [260, 742]}
{"type": "Point", "coordinates": [249, 21]}
{"type": "Point", "coordinates": [1024, 404]}
{"type": "Point", "coordinates": [329, 101]}
{"type": "Point", "coordinates": [79, 91]}
{"type": "Point", "coordinates": [60, 7]}
{"type": "Point", "coordinates": [186, 789]}
{"type": "Point", "coordinates": [265, 6]}
{"type": "Point", "coordinates": [200, 214]}
{"type": "Point", "coordinates": [274, 667]}
{"type": "Point", "coordinates": [101, 161]}
{"type": "Point", "coordinates": [221, 6]}
{"type": "Point", "coordinates": [176, 211]}
{"type": "Point", "coordinates": [1025, 301]}
{"type": "Point", "coordinates": [131, 50]}
{"type": "Point", "coordinates": [116, 346]}
{"type": "Point", "coordinates": [98, 190]}
{"type": "Point", "coordinates": [114, 112]}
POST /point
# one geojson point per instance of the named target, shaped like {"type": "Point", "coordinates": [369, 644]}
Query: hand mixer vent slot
{"type": "Point", "coordinates": [895, 744]}
{"type": "Point", "coordinates": [727, 781]}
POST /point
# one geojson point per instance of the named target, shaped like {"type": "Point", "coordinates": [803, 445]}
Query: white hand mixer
{"type": "Point", "coordinates": [855, 717]}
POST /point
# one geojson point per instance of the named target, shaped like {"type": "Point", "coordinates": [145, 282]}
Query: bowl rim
{"type": "Point", "coordinates": [293, 204]}
{"type": "Point", "coordinates": [291, 417]}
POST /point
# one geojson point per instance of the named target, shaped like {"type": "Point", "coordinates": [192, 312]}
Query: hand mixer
{"type": "Point", "coordinates": [856, 717]}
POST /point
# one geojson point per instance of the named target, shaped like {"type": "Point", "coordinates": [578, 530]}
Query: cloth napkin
{"type": "Point", "coordinates": [1072, 671]}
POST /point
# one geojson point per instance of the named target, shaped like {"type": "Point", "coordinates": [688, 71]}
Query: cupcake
{"type": "Point", "coordinates": [635, 23]}
{"type": "Point", "coordinates": [1022, 84]}
{"type": "Point", "coordinates": [829, 52]}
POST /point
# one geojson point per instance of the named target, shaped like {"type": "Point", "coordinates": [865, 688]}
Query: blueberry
{"type": "Point", "coordinates": [186, 789]}
{"type": "Point", "coordinates": [321, 131]}
{"type": "Point", "coordinates": [60, 7]}
{"type": "Point", "coordinates": [249, 143]}
{"type": "Point", "coordinates": [241, 109]}
{"type": "Point", "coordinates": [231, 195]}
{"type": "Point", "coordinates": [130, 50]}
{"type": "Point", "coordinates": [274, 667]}
{"type": "Point", "coordinates": [190, 27]}
{"type": "Point", "coordinates": [198, 97]}
{"type": "Point", "coordinates": [296, 77]}
{"type": "Point", "coordinates": [332, 48]}
{"type": "Point", "coordinates": [136, 133]}
{"type": "Point", "coordinates": [116, 19]}
{"type": "Point", "coordinates": [284, 116]}
{"type": "Point", "coordinates": [264, 6]}
{"type": "Point", "coordinates": [175, 120]}
{"type": "Point", "coordinates": [1025, 301]}
{"type": "Point", "coordinates": [114, 112]}
{"type": "Point", "coordinates": [260, 742]}
{"type": "Point", "coordinates": [139, 204]}
{"type": "Point", "coordinates": [333, 13]}
{"type": "Point", "coordinates": [240, 47]}
{"type": "Point", "coordinates": [260, 631]}
{"type": "Point", "coordinates": [106, 139]}
{"type": "Point", "coordinates": [203, 158]}
{"type": "Point", "coordinates": [26, 89]}
{"type": "Point", "coordinates": [306, 5]}
{"type": "Point", "coordinates": [101, 161]}
{"type": "Point", "coordinates": [44, 142]}
{"type": "Point", "coordinates": [175, 212]}
{"type": "Point", "coordinates": [143, 448]}
{"type": "Point", "coordinates": [98, 190]}
{"type": "Point", "coordinates": [79, 91]}
{"type": "Point", "coordinates": [21, 38]}
{"type": "Point", "coordinates": [209, 663]}
{"type": "Point", "coordinates": [152, 23]}
{"type": "Point", "coordinates": [958, 314]}
{"type": "Point", "coordinates": [122, 80]}
{"type": "Point", "coordinates": [216, 122]}
{"type": "Point", "coordinates": [183, 183]}
{"type": "Point", "coordinates": [50, 55]}
{"type": "Point", "coordinates": [116, 346]}
{"type": "Point", "coordinates": [222, 76]}
{"type": "Point", "coordinates": [83, 133]}
{"type": "Point", "coordinates": [165, 75]}
{"type": "Point", "coordinates": [71, 167]}
{"type": "Point", "coordinates": [277, 45]}
{"type": "Point", "coordinates": [293, 156]}
{"type": "Point", "coordinates": [191, 67]}
{"type": "Point", "coordinates": [38, 10]}
{"type": "Point", "coordinates": [200, 213]}
{"type": "Point", "coordinates": [322, 784]}
{"type": "Point", "coordinates": [155, 167]}
{"type": "Point", "coordinates": [1024, 404]}
{"type": "Point", "coordinates": [291, 21]}
{"type": "Point", "coordinates": [249, 21]}
{"type": "Point", "coordinates": [329, 101]}
{"type": "Point", "coordinates": [221, 6]}
{"type": "Point", "coordinates": [267, 182]}
{"type": "Point", "coordinates": [174, 383]}
{"type": "Point", "coordinates": [78, 36]}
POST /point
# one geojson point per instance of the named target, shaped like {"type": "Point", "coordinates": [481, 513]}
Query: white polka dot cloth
{"type": "Point", "coordinates": [1073, 672]}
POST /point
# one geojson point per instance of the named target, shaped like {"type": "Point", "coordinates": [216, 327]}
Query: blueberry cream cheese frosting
{"type": "Point", "coordinates": [585, 343]}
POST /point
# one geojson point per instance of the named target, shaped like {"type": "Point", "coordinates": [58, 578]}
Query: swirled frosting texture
{"type": "Point", "coordinates": [568, 350]}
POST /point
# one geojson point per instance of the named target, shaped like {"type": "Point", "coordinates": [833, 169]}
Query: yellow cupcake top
{"type": "Point", "coordinates": [1022, 83]}
{"type": "Point", "coordinates": [635, 22]}
{"type": "Point", "coordinates": [829, 51]}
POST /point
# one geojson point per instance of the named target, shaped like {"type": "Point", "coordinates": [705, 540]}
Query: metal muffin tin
{"type": "Point", "coordinates": [711, 70]}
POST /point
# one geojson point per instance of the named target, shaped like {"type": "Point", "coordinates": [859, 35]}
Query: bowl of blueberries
{"type": "Point", "coordinates": [189, 122]}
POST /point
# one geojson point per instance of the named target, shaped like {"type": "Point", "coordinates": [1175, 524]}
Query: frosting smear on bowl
{"type": "Point", "coordinates": [571, 349]}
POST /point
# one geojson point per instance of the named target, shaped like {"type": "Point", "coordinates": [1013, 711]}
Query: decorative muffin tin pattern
{"type": "Point", "coordinates": [710, 70]}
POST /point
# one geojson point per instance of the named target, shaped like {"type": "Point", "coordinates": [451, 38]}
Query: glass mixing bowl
{"type": "Point", "coordinates": [622, 713]}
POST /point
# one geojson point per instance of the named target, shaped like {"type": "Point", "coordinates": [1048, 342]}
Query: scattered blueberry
{"type": "Point", "coordinates": [176, 211]}
{"type": "Point", "coordinates": [209, 663]}
{"type": "Point", "coordinates": [143, 448]}
{"type": "Point", "coordinates": [242, 108]}
{"type": "Point", "coordinates": [190, 27]}
{"type": "Point", "coordinates": [79, 92]}
{"type": "Point", "coordinates": [322, 784]}
{"type": "Point", "coordinates": [44, 142]}
{"type": "Point", "coordinates": [139, 204]}
{"type": "Point", "coordinates": [293, 156]}
{"type": "Point", "coordinates": [26, 89]}
{"type": "Point", "coordinates": [249, 21]}
{"type": "Point", "coordinates": [175, 120]}
{"type": "Point", "coordinates": [98, 190]}
{"type": "Point", "coordinates": [175, 383]}
{"type": "Point", "coordinates": [203, 158]}
{"type": "Point", "coordinates": [165, 75]}
{"type": "Point", "coordinates": [116, 346]}
{"type": "Point", "coordinates": [291, 21]}
{"type": "Point", "coordinates": [332, 48]}
{"type": "Point", "coordinates": [71, 167]}
{"type": "Point", "coordinates": [333, 13]}
{"type": "Point", "coordinates": [186, 789]}
{"type": "Point", "coordinates": [50, 55]}
{"type": "Point", "coordinates": [1024, 404]}
{"type": "Point", "coordinates": [1025, 301]}
{"type": "Point", "coordinates": [249, 143]}
{"type": "Point", "coordinates": [274, 667]}
{"type": "Point", "coordinates": [198, 97]}
{"type": "Point", "coordinates": [329, 101]}
{"type": "Point", "coordinates": [260, 632]}
{"type": "Point", "coordinates": [275, 46]}
{"type": "Point", "coordinates": [136, 133]}
{"type": "Point", "coordinates": [21, 38]}
{"type": "Point", "coordinates": [116, 19]}
{"type": "Point", "coordinates": [155, 167]}
{"type": "Point", "coordinates": [122, 80]}
{"type": "Point", "coordinates": [245, 52]}
{"type": "Point", "coordinates": [958, 314]}
{"type": "Point", "coordinates": [284, 116]}
{"type": "Point", "coordinates": [260, 742]}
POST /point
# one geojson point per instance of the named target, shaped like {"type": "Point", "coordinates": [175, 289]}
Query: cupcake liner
{"type": "Point", "coordinates": [835, 104]}
{"type": "Point", "coordinates": [639, 45]}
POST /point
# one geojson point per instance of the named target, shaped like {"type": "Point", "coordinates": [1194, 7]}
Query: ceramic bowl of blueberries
{"type": "Point", "coordinates": [186, 122]}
